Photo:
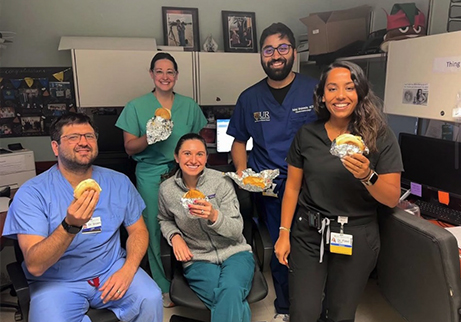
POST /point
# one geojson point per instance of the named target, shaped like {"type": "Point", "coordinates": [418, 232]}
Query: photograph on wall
{"type": "Point", "coordinates": [415, 94]}
{"type": "Point", "coordinates": [6, 129]}
{"type": "Point", "coordinates": [239, 29]}
{"type": "Point", "coordinates": [60, 90]}
{"type": "Point", "coordinates": [30, 98]}
{"type": "Point", "coordinates": [7, 112]}
{"type": "Point", "coordinates": [31, 95]}
{"type": "Point", "coordinates": [57, 109]}
{"type": "Point", "coordinates": [180, 27]}
{"type": "Point", "coordinates": [32, 124]}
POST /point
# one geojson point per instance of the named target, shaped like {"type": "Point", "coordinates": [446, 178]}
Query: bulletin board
{"type": "Point", "coordinates": [32, 97]}
{"type": "Point", "coordinates": [423, 76]}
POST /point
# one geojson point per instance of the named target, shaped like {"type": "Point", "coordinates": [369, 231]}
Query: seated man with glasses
{"type": "Point", "coordinates": [73, 258]}
{"type": "Point", "coordinates": [271, 112]}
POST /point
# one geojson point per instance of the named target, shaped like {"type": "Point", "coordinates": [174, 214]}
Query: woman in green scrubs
{"type": "Point", "coordinates": [157, 159]}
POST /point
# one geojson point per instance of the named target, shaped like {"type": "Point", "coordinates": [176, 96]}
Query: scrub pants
{"type": "Point", "coordinates": [59, 301]}
{"type": "Point", "coordinates": [224, 288]}
{"type": "Point", "coordinates": [343, 278]}
{"type": "Point", "coordinates": [270, 209]}
{"type": "Point", "coordinates": [148, 183]}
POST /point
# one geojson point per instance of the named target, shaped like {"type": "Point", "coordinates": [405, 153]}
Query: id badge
{"type": "Point", "coordinates": [92, 226]}
{"type": "Point", "coordinates": [341, 243]}
{"type": "Point", "coordinates": [270, 191]}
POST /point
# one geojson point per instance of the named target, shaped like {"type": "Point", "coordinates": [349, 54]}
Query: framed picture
{"type": "Point", "coordinates": [180, 27]}
{"type": "Point", "coordinates": [239, 29]}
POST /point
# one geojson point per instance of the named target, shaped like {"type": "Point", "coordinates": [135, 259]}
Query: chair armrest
{"type": "Point", "coordinates": [20, 285]}
{"type": "Point", "coordinates": [262, 244]}
{"type": "Point", "coordinates": [166, 255]}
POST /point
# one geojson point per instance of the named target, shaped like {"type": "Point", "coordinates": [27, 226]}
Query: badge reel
{"type": "Point", "coordinates": [341, 243]}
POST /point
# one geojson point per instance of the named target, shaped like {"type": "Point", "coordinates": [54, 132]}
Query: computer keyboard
{"type": "Point", "coordinates": [439, 212]}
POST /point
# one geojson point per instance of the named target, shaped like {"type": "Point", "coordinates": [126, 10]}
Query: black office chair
{"type": "Point", "coordinates": [21, 287]}
{"type": "Point", "coordinates": [255, 233]}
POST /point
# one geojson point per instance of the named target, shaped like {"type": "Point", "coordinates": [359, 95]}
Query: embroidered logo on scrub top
{"type": "Point", "coordinates": [302, 109]}
{"type": "Point", "coordinates": [262, 116]}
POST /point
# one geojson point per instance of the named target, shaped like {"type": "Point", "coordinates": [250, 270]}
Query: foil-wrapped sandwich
{"type": "Point", "coordinates": [189, 198]}
{"type": "Point", "coordinates": [252, 181]}
{"type": "Point", "coordinates": [348, 144]}
{"type": "Point", "coordinates": [160, 126]}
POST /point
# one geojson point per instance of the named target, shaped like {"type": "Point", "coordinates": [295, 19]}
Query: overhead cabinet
{"type": "Point", "coordinates": [111, 78]}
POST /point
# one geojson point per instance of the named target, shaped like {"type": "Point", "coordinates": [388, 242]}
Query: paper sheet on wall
{"type": "Point", "coordinates": [456, 231]}
{"type": "Point", "coordinates": [436, 128]}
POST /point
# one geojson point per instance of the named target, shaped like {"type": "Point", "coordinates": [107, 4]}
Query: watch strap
{"type": "Point", "coordinates": [371, 179]}
{"type": "Point", "coordinates": [69, 228]}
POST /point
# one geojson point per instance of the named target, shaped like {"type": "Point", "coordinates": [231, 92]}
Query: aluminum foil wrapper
{"type": "Point", "coordinates": [343, 150]}
{"type": "Point", "coordinates": [158, 129]}
{"type": "Point", "coordinates": [185, 202]}
{"type": "Point", "coordinates": [267, 175]}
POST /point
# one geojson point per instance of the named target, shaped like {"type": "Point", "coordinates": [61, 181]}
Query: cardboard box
{"type": "Point", "coordinates": [333, 30]}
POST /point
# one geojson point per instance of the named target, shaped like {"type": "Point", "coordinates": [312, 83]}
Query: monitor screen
{"type": "Point", "coordinates": [433, 163]}
{"type": "Point", "coordinates": [224, 141]}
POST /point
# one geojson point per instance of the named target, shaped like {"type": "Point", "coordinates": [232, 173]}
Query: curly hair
{"type": "Point", "coordinates": [367, 120]}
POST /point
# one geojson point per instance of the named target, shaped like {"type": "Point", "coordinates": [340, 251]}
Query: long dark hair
{"type": "Point", "coordinates": [367, 119]}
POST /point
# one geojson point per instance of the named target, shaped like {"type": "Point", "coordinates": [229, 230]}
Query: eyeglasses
{"type": "Point", "coordinates": [75, 137]}
{"type": "Point", "coordinates": [161, 73]}
{"type": "Point", "coordinates": [283, 49]}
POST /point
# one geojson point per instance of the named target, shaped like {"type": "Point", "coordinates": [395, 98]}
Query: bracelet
{"type": "Point", "coordinates": [284, 228]}
{"type": "Point", "coordinates": [369, 172]}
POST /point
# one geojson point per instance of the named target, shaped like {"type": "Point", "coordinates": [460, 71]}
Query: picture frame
{"type": "Point", "coordinates": [239, 30]}
{"type": "Point", "coordinates": [180, 28]}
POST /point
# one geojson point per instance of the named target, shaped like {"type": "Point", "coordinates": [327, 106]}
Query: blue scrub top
{"type": "Point", "coordinates": [271, 125]}
{"type": "Point", "coordinates": [40, 205]}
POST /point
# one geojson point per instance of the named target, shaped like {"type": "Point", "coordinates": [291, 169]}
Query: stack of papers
{"type": "Point", "coordinates": [456, 231]}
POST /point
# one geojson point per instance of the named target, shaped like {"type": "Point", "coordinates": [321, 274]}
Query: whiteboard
{"type": "Point", "coordinates": [431, 64]}
{"type": "Point", "coordinates": [111, 78]}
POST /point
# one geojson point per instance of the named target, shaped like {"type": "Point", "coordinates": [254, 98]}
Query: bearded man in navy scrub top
{"type": "Point", "coordinates": [271, 112]}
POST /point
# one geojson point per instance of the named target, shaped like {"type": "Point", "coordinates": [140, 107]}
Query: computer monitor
{"type": "Point", "coordinates": [224, 141]}
{"type": "Point", "coordinates": [433, 163]}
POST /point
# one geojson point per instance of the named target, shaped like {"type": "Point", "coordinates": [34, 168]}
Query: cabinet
{"type": "Point", "coordinates": [111, 78]}
{"type": "Point", "coordinates": [223, 76]}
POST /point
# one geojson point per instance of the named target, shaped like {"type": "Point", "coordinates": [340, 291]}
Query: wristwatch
{"type": "Point", "coordinates": [371, 179]}
{"type": "Point", "coordinates": [69, 228]}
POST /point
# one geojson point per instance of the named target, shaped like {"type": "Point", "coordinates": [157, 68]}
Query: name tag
{"type": "Point", "coordinates": [92, 226]}
{"type": "Point", "coordinates": [341, 243]}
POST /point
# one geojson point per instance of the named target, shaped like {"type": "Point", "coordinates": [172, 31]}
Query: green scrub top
{"type": "Point", "coordinates": [186, 115]}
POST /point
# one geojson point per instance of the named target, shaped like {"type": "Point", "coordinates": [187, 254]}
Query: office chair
{"type": "Point", "coordinates": [255, 233]}
{"type": "Point", "coordinates": [6, 192]}
{"type": "Point", "coordinates": [21, 288]}
{"type": "Point", "coordinates": [418, 268]}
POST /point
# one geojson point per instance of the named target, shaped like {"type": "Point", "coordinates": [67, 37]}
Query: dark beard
{"type": "Point", "coordinates": [279, 74]}
{"type": "Point", "coordinates": [75, 166]}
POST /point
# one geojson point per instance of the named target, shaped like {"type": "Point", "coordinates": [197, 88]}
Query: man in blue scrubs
{"type": "Point", "coordinates": [73, 259]}
{"type": "Point", "coordinates": [271, 112]}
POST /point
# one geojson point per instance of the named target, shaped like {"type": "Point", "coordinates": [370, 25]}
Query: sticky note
{"type": "Point", "coordinates": [444, 197]}
{"type": "Point", "coordinates": [416, 189]}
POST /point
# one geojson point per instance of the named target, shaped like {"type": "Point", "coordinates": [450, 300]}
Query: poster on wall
{"type": "Point", "coordinates": [31, 97]}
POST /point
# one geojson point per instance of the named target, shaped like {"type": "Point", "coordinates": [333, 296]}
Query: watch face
{"type": "Point", "coordinates": [373, 178]}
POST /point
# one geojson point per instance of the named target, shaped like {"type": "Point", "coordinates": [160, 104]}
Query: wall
{"type": "Point", "coordinates": [40, 24]}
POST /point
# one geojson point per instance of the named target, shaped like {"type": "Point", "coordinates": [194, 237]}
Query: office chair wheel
{"type": "Point", "coordinates": [18, 316]}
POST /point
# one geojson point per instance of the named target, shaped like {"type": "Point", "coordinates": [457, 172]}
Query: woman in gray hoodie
{"type": "Point", "coordinates": [206, 235]}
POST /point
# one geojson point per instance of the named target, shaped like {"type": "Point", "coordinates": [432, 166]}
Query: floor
{"type": "Point", "coordinates": [373, 308]}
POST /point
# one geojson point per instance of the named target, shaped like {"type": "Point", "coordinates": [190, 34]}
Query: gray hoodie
{"type": "Point", "coordinates": [208, 242]}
